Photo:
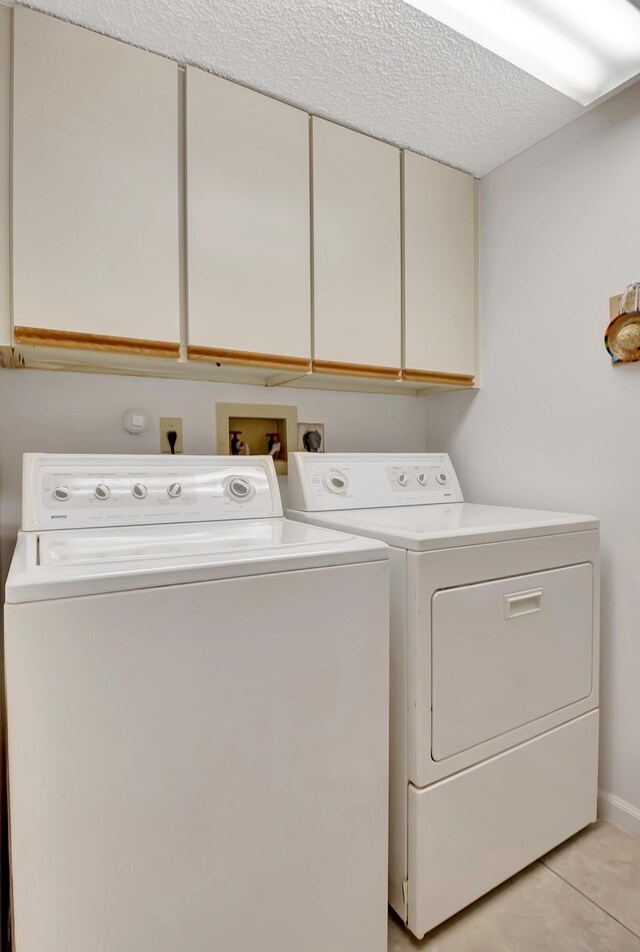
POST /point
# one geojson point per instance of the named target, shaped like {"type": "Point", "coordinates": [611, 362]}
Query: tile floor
{"type": "Point", "coordinates": [582, 897]}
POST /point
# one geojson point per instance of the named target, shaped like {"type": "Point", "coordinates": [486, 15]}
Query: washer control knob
{"type": "Point", "coordinates": [239, 488]}
{"type": "Point", "coordinates": [101, 491]}
{"type": "Point", "coordinates": [441, 478]}
{"type": "Point", "coordinates": [61, 493]}
{"type": "Point", "coordinates": [402, 478]}
{"type": "Point", "coordinates": [174, 490]}
{"type": "Point", "coordinates": [139, 490]}
{"type": "Point", "coordinates": [336, 483]}
{"type": "Point", "coordinates": [422, 479]}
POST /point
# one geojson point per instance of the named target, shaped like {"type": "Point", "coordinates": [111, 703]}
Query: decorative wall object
{"type": "Point", "coordinates": [258, 430]}
{"type": "Point", "coordinates": [311, 437]}
{"type": "Point", "coordinates": [622, 337]}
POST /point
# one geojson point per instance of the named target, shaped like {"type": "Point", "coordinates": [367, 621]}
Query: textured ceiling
{"type": "Point", "coordinates": [379, 66]}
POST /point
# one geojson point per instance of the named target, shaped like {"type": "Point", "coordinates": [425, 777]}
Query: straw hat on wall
{"type": "Point", "coordinates": [622, 337]}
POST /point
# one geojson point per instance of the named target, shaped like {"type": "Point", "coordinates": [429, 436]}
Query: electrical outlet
{"type": "Point", "coordinates": [167, 425]}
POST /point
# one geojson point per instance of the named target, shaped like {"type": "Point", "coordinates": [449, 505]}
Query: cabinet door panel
{"type": "Point", "coordinates": [439, 267]}
{"type": "Point", "coordinates": [248, 220]}
{"type": "Point", "coordinates": [5, 131]}
{"type": "Point", "coordinates": [95, 184]}
{"type": "Point", "coordinates": [356, 210]}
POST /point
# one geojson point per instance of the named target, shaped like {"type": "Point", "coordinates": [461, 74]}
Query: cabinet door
{"type": "Point", "coordinates": [5, 127]}
{"type": "Point", "coordinates": [248, 225]}
{"type": "Point", "coordinates": [439, 268]}
{"type": "Point", "coordinates": [356, 235]}
{"type": "Point", "coordinates": [95, 190]}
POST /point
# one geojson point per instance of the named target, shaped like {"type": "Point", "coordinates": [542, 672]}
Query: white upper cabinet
{"type": "Point", "coordinates": [439, 268]}
{"type": "Point", "coordinates": [95, 187]}
{"type": "Point", "coordinates": [357, 281]}
{"type": "Point", "coordinates": [248, 223]}
{"type": "Point", "coordinates": [5, 151]}
{"type": "Point", "coordinates": [149, 212]}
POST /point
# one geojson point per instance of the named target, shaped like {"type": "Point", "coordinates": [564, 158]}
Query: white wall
{"type": "Point", "coordinates": [555, 425]}
{"type": "Point", "coordinates": [43, 411]}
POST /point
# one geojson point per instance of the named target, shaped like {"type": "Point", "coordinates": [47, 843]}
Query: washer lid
{"type": "Point", "coordinates": [420, 528]}
{"type": "Point", "coordinates": [72, 562]}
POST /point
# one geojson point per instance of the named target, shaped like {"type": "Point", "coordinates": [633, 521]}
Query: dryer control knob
{"type": "Point", "coordinates": [61, 493]}
{"type": "Point", "coordinates": [441, 478]}
{"type": "Point", "coordinates": [422, 479]}
{"type": "Point", "coordinates": [139, 490]}
{"type": "Point", "coordinates": [336, 483]}
{"type": "Point", "coordinates": [402, 478]}
{"type": "Point", "coordinates": [101, 491]}
{"type": "Point", "coordinates": [174, 490]}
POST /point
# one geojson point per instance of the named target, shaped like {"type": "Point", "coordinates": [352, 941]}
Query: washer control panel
{"type": "Point", "coordinates": [79, 491]}
{"type": "Point", "coordinates": [370, 480]}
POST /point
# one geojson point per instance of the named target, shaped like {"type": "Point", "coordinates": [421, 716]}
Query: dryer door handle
{"type": "Point", "coordinates": [522, 603]}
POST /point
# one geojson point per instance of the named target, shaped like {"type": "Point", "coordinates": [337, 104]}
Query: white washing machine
{"type": "Point", "coordinates": [197, 696]}
{"type": "Point", "coordinates": [494, 671]}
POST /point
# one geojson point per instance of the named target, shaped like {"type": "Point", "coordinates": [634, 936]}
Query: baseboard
{"type": "Point", "coordinates": [618, 811]}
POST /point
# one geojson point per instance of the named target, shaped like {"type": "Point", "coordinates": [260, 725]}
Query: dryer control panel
{"type": "Point", "coordinates": [370, 480]}
{"type": "Point", "coordinates": [70, 491]}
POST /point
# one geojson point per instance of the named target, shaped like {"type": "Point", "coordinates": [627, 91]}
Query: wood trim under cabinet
{"type": "Point", "coordinates": [43, 337]}
{"type": "Point", "coordinates": [433, 376]}
{"type": "Point", "coordinates": [248, 359]}
{"type": "Point", "coordinates": [355, 370]}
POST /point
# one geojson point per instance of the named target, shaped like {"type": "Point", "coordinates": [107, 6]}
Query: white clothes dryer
{"type": "Point", "coordinates": [197, 694]}
{"type": "Point", "coordinates": [494, 671]}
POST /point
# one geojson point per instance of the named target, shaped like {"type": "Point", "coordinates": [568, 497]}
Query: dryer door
{"type": "Point", "coordinates": [507, 652]}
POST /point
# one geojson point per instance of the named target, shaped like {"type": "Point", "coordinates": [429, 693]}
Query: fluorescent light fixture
{"type": "Point", "coordinates": [583, 48]}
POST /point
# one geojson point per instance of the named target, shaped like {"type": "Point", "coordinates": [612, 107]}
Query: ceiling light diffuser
{"type": "Point", "coordinates": [583, 48]}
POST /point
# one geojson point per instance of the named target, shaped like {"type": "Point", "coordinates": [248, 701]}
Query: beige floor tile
{"type": "Point", "coordinates": [534, 912]}
{"type": "Point", "coordinates": [603, 862]}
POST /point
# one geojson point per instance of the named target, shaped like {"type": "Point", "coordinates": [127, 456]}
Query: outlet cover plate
{"type": "Point", "coordinates": [166, 425]}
